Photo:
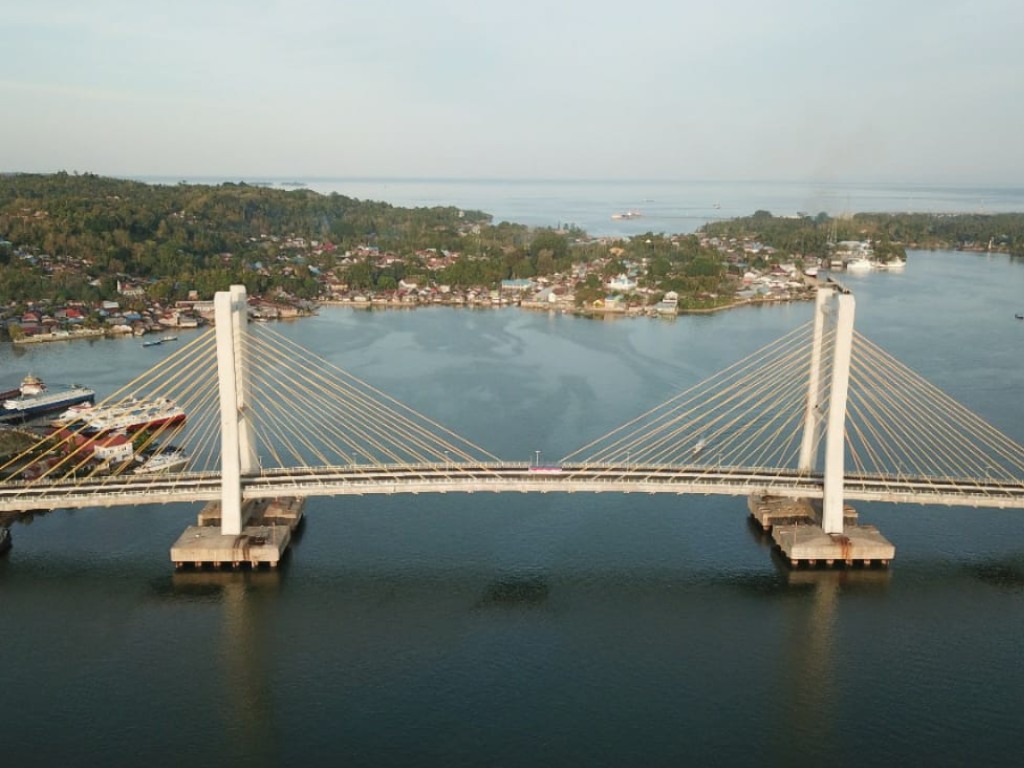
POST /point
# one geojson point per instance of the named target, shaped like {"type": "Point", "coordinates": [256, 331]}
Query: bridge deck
{"type": "Point", "coordinates": [504, 478]}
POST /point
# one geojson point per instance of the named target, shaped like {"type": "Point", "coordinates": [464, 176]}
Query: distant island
{"type": "Point", "coordinates": [83, 254]}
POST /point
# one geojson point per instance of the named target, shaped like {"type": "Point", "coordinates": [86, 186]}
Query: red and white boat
{"type": "Point", "coordinates": [129, 416]}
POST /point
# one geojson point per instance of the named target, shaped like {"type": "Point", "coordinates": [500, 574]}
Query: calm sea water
{"type": "Point", "coordinates": [537, 629]}
{"type": "Point", "coordinates": [665, 206]}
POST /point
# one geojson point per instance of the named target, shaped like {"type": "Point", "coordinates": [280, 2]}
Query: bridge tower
{"type": "Point", "coordinates": [238, 445]}
{"type": "Point", "coordinates": [834, 304]}
{"type": "Point", "coordinates": [238, 540]}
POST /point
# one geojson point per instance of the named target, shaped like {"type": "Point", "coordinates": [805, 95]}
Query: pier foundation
{"type": "Point", "coordinates": [796, 530]}
{"type": "Point", "coordinates": [266, 534]}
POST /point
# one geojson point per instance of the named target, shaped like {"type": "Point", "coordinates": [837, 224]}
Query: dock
{"type": "Point", "coordinates": [264, 540]}
{"type": "Point", "coordinates": [795, 528]}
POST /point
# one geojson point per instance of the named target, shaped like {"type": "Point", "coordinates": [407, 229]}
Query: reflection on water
{"type": "Point", "coordinates": [516, 591]}
{"type": "Point", "coordinates": [210, 583]}
{"type": "Point", "coordinates": [246, 661]}
{"type": "Point", "coordinates": [1006, 573]}
{"type": "Point", "coordinates": [861, 580]}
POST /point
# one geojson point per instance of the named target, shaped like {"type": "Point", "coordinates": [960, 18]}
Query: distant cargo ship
{"type": "Point", "coordinates": [35, 398]}
{"type": "Point", "coordinates": [128, 416]}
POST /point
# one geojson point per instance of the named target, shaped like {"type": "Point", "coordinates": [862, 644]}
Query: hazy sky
{"type": "Point", "coordinates": [901, 90]}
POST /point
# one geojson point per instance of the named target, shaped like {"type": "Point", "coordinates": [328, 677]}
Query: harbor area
{"type": "Point", "coordinates": [264, 540]}
{"type": "Point", "coordinates": [795, 528]}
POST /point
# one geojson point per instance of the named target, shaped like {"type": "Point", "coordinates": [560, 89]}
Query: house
{"type": "Point", "coordinates": [669, 305]}
{"type": "Point", "coordinates": [516, 286]}
{"type": "Point", "coordinates": [114, 447]}
{"type": "Point", "coordinates": [622, 282]}
{"type": "Point", "coordinates": [408, 284]}
{"type": "Point", "coordinates": [130, 290]}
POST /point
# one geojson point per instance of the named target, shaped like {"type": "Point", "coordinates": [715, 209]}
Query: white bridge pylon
{"type": "Point", "coordinates": [238, 445]}
{"type": "Point", "coordinates": [834, 303]}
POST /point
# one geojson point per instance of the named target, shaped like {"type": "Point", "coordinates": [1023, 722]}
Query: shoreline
{"type": "Point", "coordinates": [43, 338]}
{"type": "Point", "coordinates": [529, 306]}
{"type": "Point", "coordinates": [644, 311]}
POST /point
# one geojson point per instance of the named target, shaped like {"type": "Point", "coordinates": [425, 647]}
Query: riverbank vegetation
{"type": "Point", "coordinates": [890, 234]}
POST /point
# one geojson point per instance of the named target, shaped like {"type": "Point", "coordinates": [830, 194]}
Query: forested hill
{"type": "Point", "coordinates": [195, 234]}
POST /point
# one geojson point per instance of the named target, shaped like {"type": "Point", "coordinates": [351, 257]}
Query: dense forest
{"type": "Point", "coordinates": [184, 237]}
{"type": "Point", "coordinates": [206, 237]}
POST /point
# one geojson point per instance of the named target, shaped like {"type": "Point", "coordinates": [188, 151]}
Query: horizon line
{"type": "Point", "coordinates": [302, 179]}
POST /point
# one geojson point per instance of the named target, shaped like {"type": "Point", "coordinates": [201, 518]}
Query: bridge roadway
{"type": "Point", "coordinates": [452, 477]}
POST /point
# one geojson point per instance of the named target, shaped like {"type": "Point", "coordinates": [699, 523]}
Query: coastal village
{"type": "Point", "coordinates": [756, 273]}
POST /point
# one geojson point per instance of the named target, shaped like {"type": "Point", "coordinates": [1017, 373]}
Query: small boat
{"type": "Point", "coordinates": [169, 338]}
{"type": "Point", "coordinates": [627, 215]}
{"type": "Point", "coordinates": [153, 343]}
{"type": "Point", "coordinates": [167, 461]}
{"type": "Point", "coordinates": [1019, 316]}
{"type": "Point", "coordinates": [859, 264]}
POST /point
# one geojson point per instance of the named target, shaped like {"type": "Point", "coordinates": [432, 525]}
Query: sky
{"type": "Point", "coordinates": [826, 90]}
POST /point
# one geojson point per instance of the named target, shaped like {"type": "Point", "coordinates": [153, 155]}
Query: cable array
{"type": "Point", "coordinates": [306, 413]}
{"type": "Point", "coordinates": [750, 415]}
{"type": "Point", "coordinates": [139, 429]}
{"type": "Point", "coordinates": [303, 412]}
{"type": "Point", "coordinates": [900, 425]}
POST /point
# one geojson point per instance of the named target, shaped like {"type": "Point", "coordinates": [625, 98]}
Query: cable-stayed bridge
{"type": "Point", "coordinates": [821, 413]}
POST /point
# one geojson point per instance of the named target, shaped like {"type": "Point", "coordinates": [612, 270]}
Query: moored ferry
{"type": "Point", "coordinates": [127, 416]}
{"type": "Point", "coordinates": [36, 398]}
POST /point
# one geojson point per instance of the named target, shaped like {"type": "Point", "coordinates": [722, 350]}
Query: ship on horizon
{"type": "Point", "coordinates": [627, 215]}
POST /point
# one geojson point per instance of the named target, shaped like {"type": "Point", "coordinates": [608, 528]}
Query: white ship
{"type": "Point", "coordinates": [859, 264]}
{"type": "Point", "coordinates": [35, 398]}
{"type": "Point", "coordinates": [127, 416]}
{"type": "Point", "coordinates": [168, 461]}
